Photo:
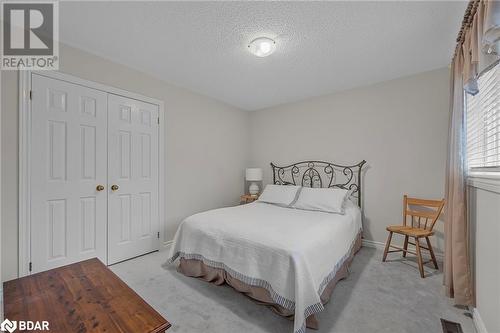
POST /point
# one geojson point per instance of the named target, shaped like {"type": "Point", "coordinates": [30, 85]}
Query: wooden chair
{"type": "Point", "coordinates": [419, 210]}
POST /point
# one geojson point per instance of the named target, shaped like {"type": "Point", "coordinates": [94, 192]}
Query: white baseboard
{"type": "Point", "coordinates": [365, 242]}
{"type": "Point", "coordinates": [373, 244]}
{"type": "Point", "coordinates": [478, 322]}
{"type": "Point", "coordinates": [1, 303]}
{"type": "Point", "coordinates": [166, 244]}
{"type": "Point", "coordinates": [381, 246]}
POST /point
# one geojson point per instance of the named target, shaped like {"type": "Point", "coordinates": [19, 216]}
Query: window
{"type": "Point", "coordinates": [483, 123]}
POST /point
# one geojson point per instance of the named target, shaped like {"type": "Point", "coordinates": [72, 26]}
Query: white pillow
{"type": "Point", "coordinates": [330, 200]}
{"type": "Point", "coordinates": [282, 195]}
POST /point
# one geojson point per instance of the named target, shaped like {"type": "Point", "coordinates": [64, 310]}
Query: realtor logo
{"type": "Point", "coordinates": [8, 326]}
{"type": "Point", "coordinates": [30, 32]}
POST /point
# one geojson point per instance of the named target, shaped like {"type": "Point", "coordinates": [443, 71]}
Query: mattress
{"type": "Point", "coordinates": [197, 269]}
{"type": "Point", "coordinates": [292, 254]}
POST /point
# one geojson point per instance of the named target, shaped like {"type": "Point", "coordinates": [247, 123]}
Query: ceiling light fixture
{"type": "Point", "coordinates": [262, 46]}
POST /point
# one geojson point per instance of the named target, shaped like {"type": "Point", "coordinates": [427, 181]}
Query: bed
{"type": "Point", "coordinates": [288, 259]}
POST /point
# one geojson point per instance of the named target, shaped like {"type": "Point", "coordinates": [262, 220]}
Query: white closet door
{"type": "Point", "coordinates": [133, 226]}
{"type": "Point", "coordinates": [68, 162]}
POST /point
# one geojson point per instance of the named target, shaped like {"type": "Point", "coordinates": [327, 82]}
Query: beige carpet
{"type": "Point", "coordinates": [376, 297]}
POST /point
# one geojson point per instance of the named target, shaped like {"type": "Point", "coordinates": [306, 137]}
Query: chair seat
{"type": "Point", "coordinates": [410, 231]}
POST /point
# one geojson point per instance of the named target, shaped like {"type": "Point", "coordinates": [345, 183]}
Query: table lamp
{"type": "Point", "coordinates": [253, 175]}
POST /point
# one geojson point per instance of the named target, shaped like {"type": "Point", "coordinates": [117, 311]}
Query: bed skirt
{"type": "Point", "coordinates": [196, 268]}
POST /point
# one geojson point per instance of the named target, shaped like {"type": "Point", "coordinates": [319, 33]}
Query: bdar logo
{"type": "Point", "coordinates": [24, 326]}
{"type": "Point", "coordinates": [8, 326]}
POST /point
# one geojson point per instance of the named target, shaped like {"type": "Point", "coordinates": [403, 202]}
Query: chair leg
{"type": "Point", "coordinates": [432, 253]}
{"type": "Point", "coordinates": [389, 238]}
{"type": "Point", "coordinates": [405, 246]}
{"type": "Point", "coordinates": [419, 258]}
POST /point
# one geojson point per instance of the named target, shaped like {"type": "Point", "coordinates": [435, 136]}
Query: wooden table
{"type": "Point", "coordinates": [81, 297]}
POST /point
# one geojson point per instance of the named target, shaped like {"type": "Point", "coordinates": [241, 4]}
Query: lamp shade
{"type": "Point", "coordinates": [253, 174]}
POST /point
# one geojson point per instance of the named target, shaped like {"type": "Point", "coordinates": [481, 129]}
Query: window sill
{"type": "Point", "coordinates": [489, 181]}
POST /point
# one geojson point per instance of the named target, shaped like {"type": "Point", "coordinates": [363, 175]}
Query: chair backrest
{"type": "Point", "coordinates": [423, 213]}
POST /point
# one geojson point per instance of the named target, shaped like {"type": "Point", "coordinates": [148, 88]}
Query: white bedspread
{"type": "Point", "coordinates": [292, 253]}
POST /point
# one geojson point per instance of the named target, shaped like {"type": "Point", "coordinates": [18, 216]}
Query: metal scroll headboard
{"type": "Point", "coordinates": [321, 174]}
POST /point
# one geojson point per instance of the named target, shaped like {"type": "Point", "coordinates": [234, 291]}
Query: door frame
{"type": "Point", "coordinates": [24, 210]}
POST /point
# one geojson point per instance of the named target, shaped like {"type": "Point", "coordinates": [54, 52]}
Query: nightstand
{"type": "Point", "coordinates": [247, 198]}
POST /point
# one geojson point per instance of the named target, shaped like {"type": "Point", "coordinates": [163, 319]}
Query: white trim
{"type": "Point", "coordinates": [167, 244]}
{"type": "Point", "coordinates": [373, 244]}
{"type": "Point", "coordinates": [24, 173]}
{"type": "Point", "coordinates": [484, 174]}
{"type": "Point", "coordinates": [98, 86]}
{"type": "Point", "coordinates": [381, 246]}
{"type": "Point", "coordinates": [488, 182]}
{"type": "Point", "coordinates": [478, 322]}
{"type": "Point", "coordinates": [162, 172]}
{"type": "Point", "coordinates": [1, 303]}
{"type": "Point", "coordinates": [485, 170]}
{"type": "Point", "coordinates": [24, 155]}
{"type": "Point", "coordinates": [1, 279]}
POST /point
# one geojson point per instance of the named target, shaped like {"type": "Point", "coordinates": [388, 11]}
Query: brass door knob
{"type": "Point", "coordinates": [114, 187]}
{"type": "Point", "coordinates": [99, 188]}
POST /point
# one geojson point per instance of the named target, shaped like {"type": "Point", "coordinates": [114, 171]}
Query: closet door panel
{"type": "Point", "coordinates": [68, 160]}
{"type": "Point", "coordinates": [133, 219]}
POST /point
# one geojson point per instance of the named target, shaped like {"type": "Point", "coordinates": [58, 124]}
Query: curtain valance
{"type": "Point", "coordinates": [478, 42]}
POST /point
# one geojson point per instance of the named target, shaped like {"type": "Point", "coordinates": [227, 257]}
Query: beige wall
{"type": "Point", "coordinates": [400, 128]}
{"type": "Point", "coordinates": [484, 210]}
{"type": "Point", "coordinates": [206, 145]}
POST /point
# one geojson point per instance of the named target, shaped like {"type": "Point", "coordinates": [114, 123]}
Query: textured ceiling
{"type": "Point", "coordinates": [322, 47]}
